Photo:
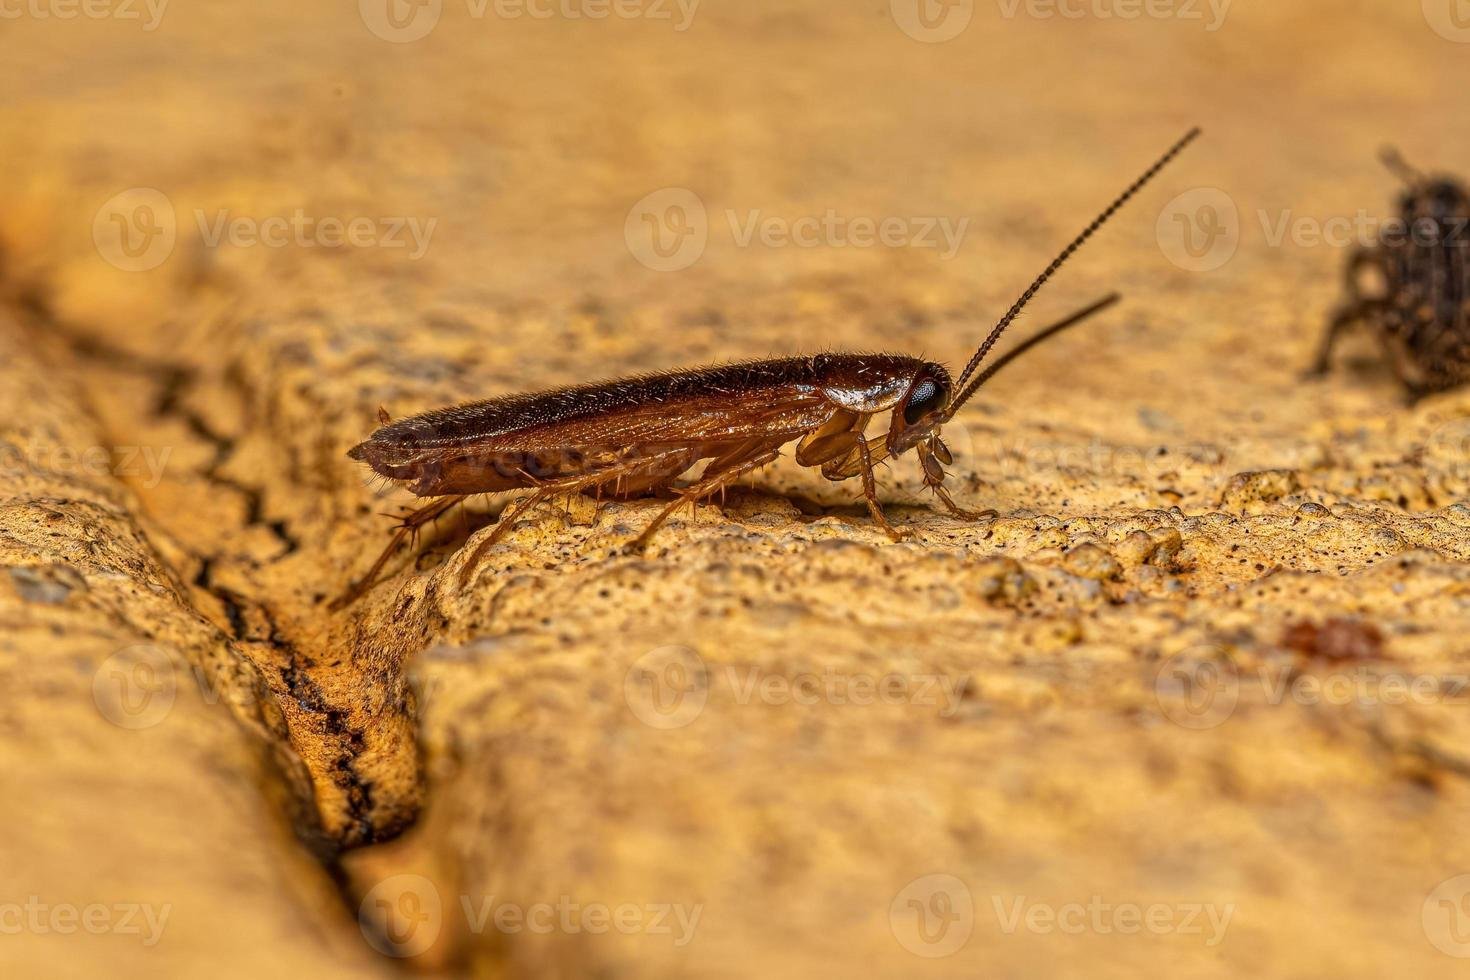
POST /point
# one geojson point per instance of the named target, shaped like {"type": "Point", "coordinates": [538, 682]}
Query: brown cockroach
{"type": "Point", "coordinates": [635, 436]}
{"type": "Point", "coordinates": [1412, 287]}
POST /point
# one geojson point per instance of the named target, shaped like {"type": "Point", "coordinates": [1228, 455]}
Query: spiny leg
{"type": "Point", "coordinates": [932, 457]}
{"type": "Point", "coordinates": [568, 485]}
{"type": "Point", "coordinates": [725, 472]}
{"type": "Point", "coordinates": [508, 517]}
{"type": "Point", "coordinates": [960, 512]}
{"type": "Point", "coordinates": [870, 494]}
{"type": "Point", "coordinates": [407, 528]}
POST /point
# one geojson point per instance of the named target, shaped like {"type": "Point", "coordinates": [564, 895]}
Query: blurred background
{"type": "Point", "coordinates": [1114, 730]}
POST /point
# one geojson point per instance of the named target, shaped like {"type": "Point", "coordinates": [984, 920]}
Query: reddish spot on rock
{"type": "Point", "coordinates": [1335, 640]}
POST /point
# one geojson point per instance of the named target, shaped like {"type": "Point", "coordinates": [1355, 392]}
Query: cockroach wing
{"type": "Point", "coordinates": [523, 440]}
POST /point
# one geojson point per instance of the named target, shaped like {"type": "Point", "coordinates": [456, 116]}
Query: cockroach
{"type": "Point", "coordinates": [1412, 287]}
{"type": "Point", "coordinates": [635, 436]}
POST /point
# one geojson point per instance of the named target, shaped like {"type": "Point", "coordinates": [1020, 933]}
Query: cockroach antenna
{"type": "Point", "coordinates": [1043, 336]}
{"type": "Point", "coordinates": [966, 390]}
{"type": "Point", "coordinates": [1399, 167]}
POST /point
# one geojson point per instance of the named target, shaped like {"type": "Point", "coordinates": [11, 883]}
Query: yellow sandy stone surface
{"type": "Point", "coordinates": [1083, 739]}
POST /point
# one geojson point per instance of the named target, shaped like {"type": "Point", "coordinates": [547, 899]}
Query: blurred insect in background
{"type": "Point", "coordinates": [634, 436]}
{"type": "Point", "coordinates": [1412, 287]}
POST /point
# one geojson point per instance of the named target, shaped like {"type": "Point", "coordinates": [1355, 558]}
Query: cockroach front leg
{"type": "Point", "coordinates": [407, 528]}
{"type": "Point", "coordinates": [933, 456]}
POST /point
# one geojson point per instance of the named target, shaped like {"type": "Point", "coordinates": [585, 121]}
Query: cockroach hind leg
{"type": "Point", "coordinates": [407, 528]}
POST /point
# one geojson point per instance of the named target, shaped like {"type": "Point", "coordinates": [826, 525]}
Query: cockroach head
{"type": "Point", "coordinates": [922, 410]}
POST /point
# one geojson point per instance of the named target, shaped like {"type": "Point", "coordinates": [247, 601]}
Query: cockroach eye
{"type": "Point", "coordinates": [925, 398]}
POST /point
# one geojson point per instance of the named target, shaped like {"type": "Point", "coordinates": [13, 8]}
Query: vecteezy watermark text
{"type": "Point", "coordinates": [149, 12]}
{"type": "Point", "coordinates": [94, 919]}
{"type": "Point", "coordinates": [302, 230]}
{"type": "Point", "coordinates": [1211, 13]}
{"type": "Point", "coordinates": [668, 687]}
{"type": "Point", "coordinates": [1019, 914]}
{"type": "Point", "coordinates": [935, 915]}
{"type": "Point", "coordinates": [1201, 229]}
{"type": "Point", "coordinates": [405, 21]}
{"type": "Point", "coordinates": [1201, 687]}
{"type": "Point", "coordinates": [403, 916]}
{"type": "Point", "coordinates": [669, 230]}
{"type": "Point", "coordinates": [137, 229]}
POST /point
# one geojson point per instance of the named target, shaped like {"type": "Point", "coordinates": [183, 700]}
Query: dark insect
{"type": "Point", "coordinates": [1412, 287]}
{"type": "Point", "coordinates": [635, 436]}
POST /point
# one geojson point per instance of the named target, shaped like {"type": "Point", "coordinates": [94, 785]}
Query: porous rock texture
{"type": "Point", "coordinates": [1147, 718]}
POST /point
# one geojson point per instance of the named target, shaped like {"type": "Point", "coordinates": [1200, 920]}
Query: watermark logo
{"type": "Point", "coordinates": [668, 230]}
{"type": "Point", "coordinates": [832, 229]}
{"type": "Point", "coordinates": [932, 21]}
{"type": "Point", "coordinates": [933, 916]}
{"type": "Point", "coordinates": [302, 230]}
{"type": "Point", "coordinates": [667, 687]}
{"type": "Point", "coordinates": [1450, 19]}
{"type": "Point", "coordinates": [135, 688]}
{"type": "Point", "coordinates": [1362, 230]}
{"type": "Point", "coordinates": [400, 21]}
{"type": "Point", "coordinates": [148, 12]}
{"type": "Point", "coordinates": [143, 464]}
{"type": "Point", "coordinates": [136, 229]}
{"type": "Point", "coordinates": [1197, 688]}
{"type": "Point", "coordinates": [676, 920]}
{"type": "Point", "coordinates": [401, 916]}
{"type": "Point", "coordinates": [1104, 918]}
{"type": "Point", "coordinates": [1199, 231]}
{"type": "Point", "coordinates": [1201, 687]}
{"type": "Point", "coordinates": [404, 21]}
{"type": "Point", "coordinates": [40, 918]}
{"type": "Point", "coordinates": [1211, 13]}
{"type": "Point", "coordinates": [1446, 917]}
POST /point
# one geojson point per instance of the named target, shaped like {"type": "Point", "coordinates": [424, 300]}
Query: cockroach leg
{"type": "Point", "coordinates": [932, 457]}
{"type": "Point", "coordinates": [960, 512]}
{"type": "Point", "coordinates": [594, 482]}
{"type": "Point", "coordinates": [729, 469]}
{"type": "Point", "coordinates": [508, 517]}
{"type": "Point", "coordinates": [870, 494]}
{"type": "Point", "coordinates": [407, 528]}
